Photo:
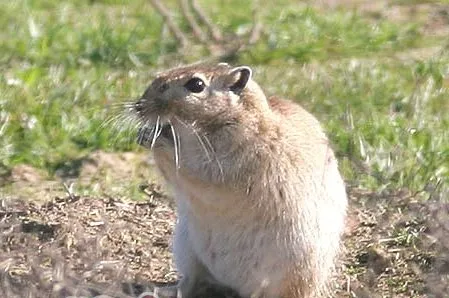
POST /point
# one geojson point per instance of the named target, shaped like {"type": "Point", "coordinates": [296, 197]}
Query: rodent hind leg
{"type": "Point", "coordinates": [193, 273]}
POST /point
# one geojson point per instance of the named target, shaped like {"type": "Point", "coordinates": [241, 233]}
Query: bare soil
{"type": "Point", "coordinates": [395, 244]}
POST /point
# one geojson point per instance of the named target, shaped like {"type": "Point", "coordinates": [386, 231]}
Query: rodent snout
{"type": "Point", "coordinates": [159, 84]}
{"type": "Point", "coordinates": [147, 103]}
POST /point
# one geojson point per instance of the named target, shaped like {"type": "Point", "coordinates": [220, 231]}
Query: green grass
{"type": "Point", "coordinates": [408, 2]}
{"type": "Point", "coordinates": [64, 64]}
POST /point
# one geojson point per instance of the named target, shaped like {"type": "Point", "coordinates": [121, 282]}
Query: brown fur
{"type": "Point", "coordinates": [261, 206]}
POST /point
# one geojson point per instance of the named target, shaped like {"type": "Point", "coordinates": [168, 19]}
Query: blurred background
{"type": "Point", "coordinates": [376, 73]}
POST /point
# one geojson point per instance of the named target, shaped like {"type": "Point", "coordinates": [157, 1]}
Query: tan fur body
{"type": "Point", "coordinates": [261, 203]}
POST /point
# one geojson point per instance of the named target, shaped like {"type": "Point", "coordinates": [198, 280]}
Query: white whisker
{"type": "Point", "coordinates": [178, 140]}
{"type": "Point", "coordinates": [122, 123]}
{"type": "Point", "coordinates": [204, 142]}
{"type": "Point", "coordinates": [157, 131]}
{"type": "Point", "coordinates": [220, 167]}
{"type": "Point", "coordinates": [200, 140]}
{"type": "Point", "coordinates": [140, 138]}
{"type": "Point", "coordinates": [176, 145]}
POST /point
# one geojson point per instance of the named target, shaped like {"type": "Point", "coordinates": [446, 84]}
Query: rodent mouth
{"type": "Point", "coordinates": [166, 132]}
{"type": "Point", "coordinates": [148, 134]}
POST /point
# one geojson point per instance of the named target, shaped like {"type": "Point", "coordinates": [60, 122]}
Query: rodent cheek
{"type": "Point", "coordinates": [225, 97]}
{"type": "Point", "coordinates": [234, 99]}
{"type": "Point", "coordinates": [198, 97]}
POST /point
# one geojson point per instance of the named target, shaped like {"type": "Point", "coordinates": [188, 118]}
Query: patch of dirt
{"type": "Point", "coordinates": [100, 163]}
{"type": "Point", "coordinates": [398, 247]}
{"type": "Point", "coordinates": [98, 173]}
{"type": "Point", "coordinates": [26, 173]}
{"type": "Point", "coordinates": [85, 246]}
{"type": "Point", "coordinates": [395, 247]}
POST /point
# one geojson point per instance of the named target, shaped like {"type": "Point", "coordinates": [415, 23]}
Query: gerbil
{"type": "Point", "coordinates": [260, 200]}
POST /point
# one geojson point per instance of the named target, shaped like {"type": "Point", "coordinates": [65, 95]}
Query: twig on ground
{"type": "Point", "coordinates": [174, 29]}
{"type": "Point", "coordinates": [214, 31]}
{"type": "Point", "coordinates": [69, 190]}
{"type": "Point", "coordinates": [196, 29]}
{"type": "Point", "coordinates": [216, 43]}
{"type": "Point", "coordinates": [256, 31]}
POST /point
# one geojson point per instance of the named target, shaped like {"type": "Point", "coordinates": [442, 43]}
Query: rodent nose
{"type": "Point", "coordinates": [160, 85]}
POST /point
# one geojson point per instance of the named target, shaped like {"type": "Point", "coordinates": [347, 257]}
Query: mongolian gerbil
{"type": "Point", "coordinates": [260, 201]}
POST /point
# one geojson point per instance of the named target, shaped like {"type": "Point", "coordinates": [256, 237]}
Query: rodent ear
{"type": "Point", "coordinates": [240, 77]}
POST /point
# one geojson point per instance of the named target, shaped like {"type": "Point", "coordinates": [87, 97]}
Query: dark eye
{"type": "Point", "coordinates": [195, 85]}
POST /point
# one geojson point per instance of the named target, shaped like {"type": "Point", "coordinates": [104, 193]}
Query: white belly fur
{"type": "Point", "coordinates": [245, 257]}
{"type": "Point", "coordinates": [254, 255]}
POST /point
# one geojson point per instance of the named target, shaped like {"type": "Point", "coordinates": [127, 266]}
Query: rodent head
{"type": "Point", "coordinates": [203, 96]}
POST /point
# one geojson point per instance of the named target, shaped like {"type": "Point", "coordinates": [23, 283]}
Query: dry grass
{"type": "Point", "coordinates": [76, 246]}
{"type": "Point", "coordinates": [395, 247]}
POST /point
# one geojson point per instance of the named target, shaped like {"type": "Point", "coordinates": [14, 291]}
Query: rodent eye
{"type": "Point", "coordinates": [195, 85]}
